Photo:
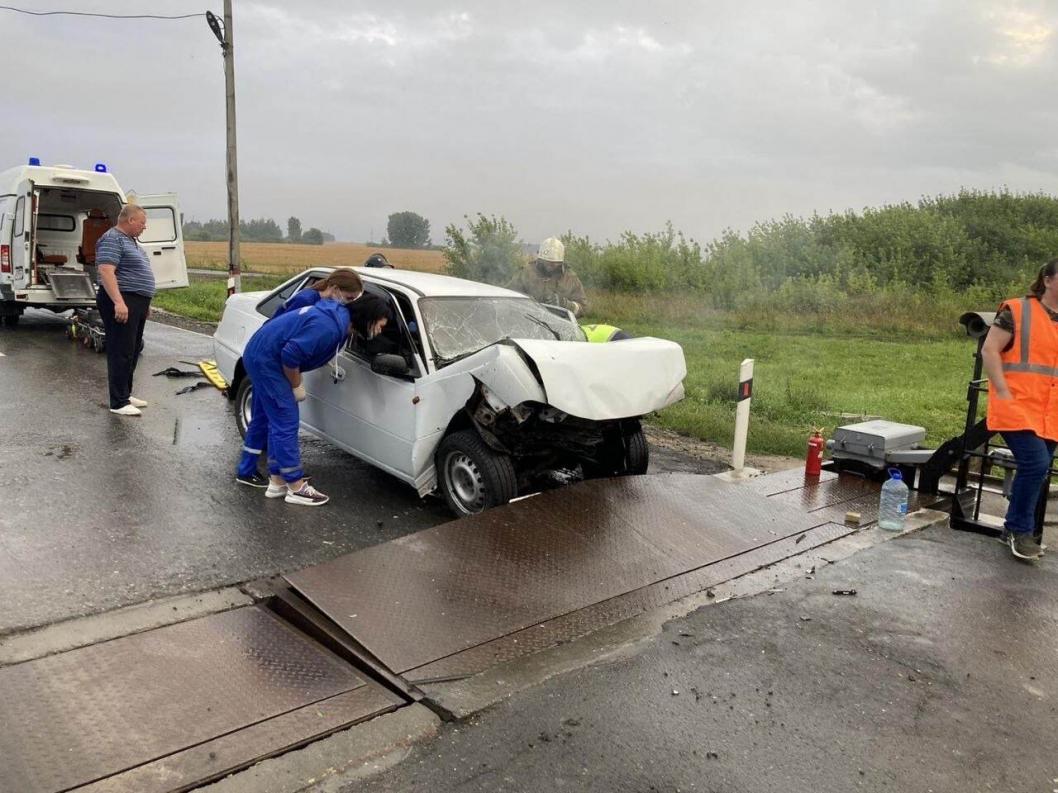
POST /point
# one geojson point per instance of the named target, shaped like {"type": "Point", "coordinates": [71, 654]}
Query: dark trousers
{"type": "Point", "coordinates": [124, 342]}
{"type": "Point", "coordinates": [1033, 456]}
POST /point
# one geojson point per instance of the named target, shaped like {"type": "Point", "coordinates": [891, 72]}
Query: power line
{"type": "Point", "coordinates": [89, 14]}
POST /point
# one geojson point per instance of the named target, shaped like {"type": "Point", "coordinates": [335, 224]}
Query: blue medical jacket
{"type": "Point", "coordinates": [305, 338]}
{"type": "Point", "coordinates": [306, 297]}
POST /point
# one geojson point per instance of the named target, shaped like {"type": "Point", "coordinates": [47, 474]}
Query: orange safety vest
{"type": "Point", "coordinates": [1030, 368]}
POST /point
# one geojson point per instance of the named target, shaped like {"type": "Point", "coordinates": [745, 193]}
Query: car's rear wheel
{"type": "Point", "coordinates": [10, 320]}
{"type": "Point", "coordinates": [243, 403]}
{"type": "Point", "coordinates": [471, 476]}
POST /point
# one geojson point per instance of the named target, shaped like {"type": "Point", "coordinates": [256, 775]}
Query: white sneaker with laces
{"type": "Point", "coordinates": [126, 410]}
{"type": "Point", "coordinates": [307, 496]}
{"type": "Point", "coordinates": [276, 491]}
{"type": "Point", "coordinates": [138, 403]}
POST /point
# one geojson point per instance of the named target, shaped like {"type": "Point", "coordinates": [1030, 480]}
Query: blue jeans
{"type": "Point", "coordinates": [1033, 455]}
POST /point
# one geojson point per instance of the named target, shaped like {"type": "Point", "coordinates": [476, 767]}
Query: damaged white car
{"type": "Point", "coordinates": [475, 391]}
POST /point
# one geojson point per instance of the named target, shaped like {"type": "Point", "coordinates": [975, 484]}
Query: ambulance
{"type": "Point", "coordinates": [50, 219]}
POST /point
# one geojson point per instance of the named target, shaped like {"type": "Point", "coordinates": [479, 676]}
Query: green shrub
{"type": "Point", "coordinates": [939, 246]}
{"type": "Point", "coordinates": [489, 251]}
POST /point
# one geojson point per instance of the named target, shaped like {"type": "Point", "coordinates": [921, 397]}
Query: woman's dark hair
{"type": "Point", "coordinates": [346, 280]}
{"type": "Point", "coordinates": [1048, 270]}
{"type": "Point", "coordinates": [366, 310]}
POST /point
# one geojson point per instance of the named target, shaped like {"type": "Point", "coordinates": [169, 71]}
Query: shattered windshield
{"type": "Point", "coordinates": [459, 326]}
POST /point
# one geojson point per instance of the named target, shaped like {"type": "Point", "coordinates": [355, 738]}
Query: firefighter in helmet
{"type": "Point", "coordinates": [548, 280]}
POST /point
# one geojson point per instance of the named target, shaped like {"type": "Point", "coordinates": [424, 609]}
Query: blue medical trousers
{"type": "Point", "coordinates": [273, 421]}
{"type": "Point", "coordinates": [1033, 456]}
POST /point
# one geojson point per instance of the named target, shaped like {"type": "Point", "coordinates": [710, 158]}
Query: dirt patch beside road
{"type": "Point", "coordinates": [667, 444]}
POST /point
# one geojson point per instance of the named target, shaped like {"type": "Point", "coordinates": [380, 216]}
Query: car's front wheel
{"type": "Point", "coordinates": [243, 401]}
{"type": "Point", "coordinates": [627, 455]}
{"type": "Point", "coordinates": [471, 476]}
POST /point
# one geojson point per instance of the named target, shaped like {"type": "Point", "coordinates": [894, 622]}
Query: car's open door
{"type": "Point", "coordinates": [163, 239]}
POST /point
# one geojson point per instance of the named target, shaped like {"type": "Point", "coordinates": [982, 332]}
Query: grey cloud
{"type": "Point", "coordinates": [593, 116]}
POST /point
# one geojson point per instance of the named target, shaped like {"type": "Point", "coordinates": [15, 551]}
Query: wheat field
{"type": "Point", "coordinates": [284, 259]}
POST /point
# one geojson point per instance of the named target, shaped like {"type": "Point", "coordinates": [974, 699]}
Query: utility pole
{"type": "Point", "coordinates": [227, 46]}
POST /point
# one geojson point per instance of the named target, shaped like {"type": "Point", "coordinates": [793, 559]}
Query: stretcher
{"type": "Point", "coordinates": [86, 327]}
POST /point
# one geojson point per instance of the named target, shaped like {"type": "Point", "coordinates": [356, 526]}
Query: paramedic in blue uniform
{"type": "Point", "coordinates": [275, 358]}
{"type": "Point", "coordinates": [126, 286]}
{"type": "Point", "coordinates": [340, 282]}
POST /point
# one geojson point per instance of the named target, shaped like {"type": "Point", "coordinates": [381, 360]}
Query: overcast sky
{"type": "Point", "coordinates": [596, 116]}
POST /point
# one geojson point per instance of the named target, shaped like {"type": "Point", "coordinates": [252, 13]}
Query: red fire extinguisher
{"type": "Point", "coordinates": [814, 458]}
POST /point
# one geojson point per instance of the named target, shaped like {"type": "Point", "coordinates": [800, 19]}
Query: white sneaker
{"type": "Point", "coordinates": [138, 403]}
{"type": "Point", "coordinates": [307, 496]}
{"type": "Point", "coordinates": [127, 410]}
{"type": "Point", "coordinates": [276, 491]}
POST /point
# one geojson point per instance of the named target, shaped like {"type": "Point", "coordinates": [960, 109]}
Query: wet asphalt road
{"type": "Point", "coordinates": [100, 511]}
{"type": "Point", "coordinates": [937, 676]}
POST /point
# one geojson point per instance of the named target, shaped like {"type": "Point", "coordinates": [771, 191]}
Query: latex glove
{"type": "Point", "coordinates": [300, 395]}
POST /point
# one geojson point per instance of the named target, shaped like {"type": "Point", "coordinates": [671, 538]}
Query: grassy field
{"type": "Point", "coordinates": [204, 299]}
{"type": "Point", "coordinates": [804, 377]}
{"type": "Point", "coordinates": [282, 259]}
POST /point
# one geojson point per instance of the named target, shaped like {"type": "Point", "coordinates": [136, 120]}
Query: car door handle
{"type": "Point", "coordinates": [157, 253]}
{"type": "Point", "coordinates": [168, 247]}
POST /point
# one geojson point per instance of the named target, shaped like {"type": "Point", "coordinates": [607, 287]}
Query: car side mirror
{"type": "Point", "coordinates": [390, 364]}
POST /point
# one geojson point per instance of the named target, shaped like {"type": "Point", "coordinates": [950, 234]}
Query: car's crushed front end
{"type": "Point", "coordinates": [557, 405]}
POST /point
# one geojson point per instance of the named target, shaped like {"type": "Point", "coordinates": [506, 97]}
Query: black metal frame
{"type": "Point", "coordinates": [975, 443]}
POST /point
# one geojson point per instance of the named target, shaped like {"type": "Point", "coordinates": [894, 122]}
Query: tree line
{"type": "Point", "coordinates": [256, 230]}
{"type": "Point", "coordinates": [989, 241]}
{"type": "Point", "coordinates": [403, 230]}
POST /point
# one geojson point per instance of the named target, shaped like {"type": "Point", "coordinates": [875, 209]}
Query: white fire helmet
{"type": "Point", "coordinates": [552, 250]}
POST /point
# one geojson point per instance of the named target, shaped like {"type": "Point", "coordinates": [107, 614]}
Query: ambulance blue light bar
{"type": "Point", "coordinates": [34, 160]}
{"type": "Point", "coordinates": [101, 167]}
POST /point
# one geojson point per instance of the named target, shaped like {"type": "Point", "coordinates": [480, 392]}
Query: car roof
{"type": "Point", "coordinates": [430, 284]}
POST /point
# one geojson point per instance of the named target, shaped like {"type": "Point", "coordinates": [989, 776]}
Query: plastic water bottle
{"type": "Point", "coordinates": [892, 509]}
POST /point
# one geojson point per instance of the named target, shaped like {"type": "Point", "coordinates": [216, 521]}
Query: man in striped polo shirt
{"type": "Point", "coordinates": [126, 286]}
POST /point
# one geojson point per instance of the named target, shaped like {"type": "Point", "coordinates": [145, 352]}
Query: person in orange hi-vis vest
{"type": "Point", "coordinates": [1020, 356]}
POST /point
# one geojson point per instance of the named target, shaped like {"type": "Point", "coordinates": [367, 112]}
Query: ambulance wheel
{"type": "Point", "coordinates": [10, 320]}
{"type": "Point", "coordinates": [471, 476]}
{"type": "Point", "coordinates": [243, 401]}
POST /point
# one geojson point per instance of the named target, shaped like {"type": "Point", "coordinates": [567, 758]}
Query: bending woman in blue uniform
{"type": "Point", "coordinates": [340, 283]}
{"type": "Point", "coordinates": [275, 358]}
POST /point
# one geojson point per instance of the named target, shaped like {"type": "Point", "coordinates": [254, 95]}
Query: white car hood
{"type": "Point", "coordinates": [612, 380]}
